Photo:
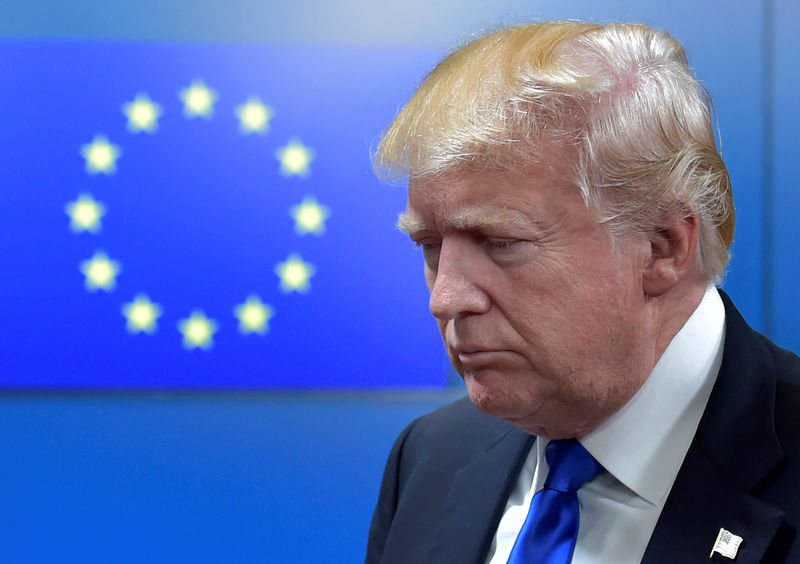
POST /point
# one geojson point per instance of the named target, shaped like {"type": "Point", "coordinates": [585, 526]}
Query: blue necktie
{"type": "Point", "coordinates": [551, 527]}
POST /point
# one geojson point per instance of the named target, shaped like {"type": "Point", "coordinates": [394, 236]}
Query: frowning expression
{"type": "Point", "coordinates": [543, 318]}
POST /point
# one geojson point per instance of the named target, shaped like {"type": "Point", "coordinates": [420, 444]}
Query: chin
{"type": "Point", "coordinates": [496, 400]}
{"type": "Point", "coordinates": [485, 398]}
{"type": "Point", "coordinates": [534, 416]}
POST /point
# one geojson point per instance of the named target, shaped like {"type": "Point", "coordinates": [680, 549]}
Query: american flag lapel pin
{"type": "Point", "coordinates": [727, 544]}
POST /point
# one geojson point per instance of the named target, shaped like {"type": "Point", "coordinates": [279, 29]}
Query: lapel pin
{"type": "Point", "coordinates": [727, 544]}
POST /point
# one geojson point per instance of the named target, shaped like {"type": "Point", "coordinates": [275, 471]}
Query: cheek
{"type": "Point", "coordinates": [568, 326]}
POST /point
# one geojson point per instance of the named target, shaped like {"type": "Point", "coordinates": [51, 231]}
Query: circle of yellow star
{"type": "Point", "coordinates": [142, 315]}
{"type": "Point", "coordinates": [85, 214]}
{"type": "Point", "coordinates": [142, 114]}
{"type": "Point", "coordinates": [100, 272]}
{"type": "Point", "coordinates": [254, 116]}
{"type": "Point", "coordinates": [309, 216]}
{"type": "Point", "coordinates": [253, 316]}
{"type": "Point", "coordinates": [198, 100]}
{"type": "Point", "coordinates": [294, 274]}
{"type": "Point", "coordinates": [100, 155]}
{"type": "Point", "coordinates": [295, 159]}
{"type": "Point", "coordinates": [198, 331]}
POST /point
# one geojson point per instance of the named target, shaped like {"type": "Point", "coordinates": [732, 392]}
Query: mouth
{"type": "Point", "coordinates": [474, 359]}
{"type": "Point", "coordinates": [467, 353]}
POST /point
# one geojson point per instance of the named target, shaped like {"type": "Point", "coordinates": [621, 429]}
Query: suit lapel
{"type": "Point", "coordinates": [702, 501]}
{"type": "Point", "coordinates": [476, 499]}
{"type": "Point", "coordinates": [734, 449]}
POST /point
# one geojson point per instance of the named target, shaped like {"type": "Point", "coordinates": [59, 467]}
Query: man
{"type": "Point", "coordinates": [574, 215]}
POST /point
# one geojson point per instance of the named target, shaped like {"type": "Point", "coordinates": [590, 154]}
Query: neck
{"type": "Point", "coordinates": [670, 311]}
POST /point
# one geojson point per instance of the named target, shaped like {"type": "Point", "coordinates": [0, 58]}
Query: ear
{"type": "Point", "coordinates": [672, 254]}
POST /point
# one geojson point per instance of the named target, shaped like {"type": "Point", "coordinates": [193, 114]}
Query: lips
{"type": "Point", "coordinates": [473, 352]}
{"type": "Point", "coordinates": [469, 349]}
{"type": "Point", "coordinates": [474, 358]}
{"type": "Point", "coordinates": [476, 354]}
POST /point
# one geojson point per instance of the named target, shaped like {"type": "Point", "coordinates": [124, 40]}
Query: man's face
{"type": "Point", "coordinates": [547, 325]}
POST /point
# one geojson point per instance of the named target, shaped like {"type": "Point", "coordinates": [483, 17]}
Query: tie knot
{"type": "Point", "coordinates": [571, 465]}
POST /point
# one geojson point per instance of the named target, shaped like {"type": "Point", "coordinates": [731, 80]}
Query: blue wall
{"type": "Point", "coordinates": [193, 478]}
{"type": "Point", "coordinates": [227, 477]}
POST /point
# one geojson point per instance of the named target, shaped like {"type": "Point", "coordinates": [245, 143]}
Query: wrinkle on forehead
{"type": "Point", "coordinates": [475, 200]}
{"type": "Point", "coordinates": [468, 219]}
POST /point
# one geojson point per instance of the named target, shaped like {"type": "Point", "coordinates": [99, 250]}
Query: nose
{"type": "Point", "coordinates": [454, 283]}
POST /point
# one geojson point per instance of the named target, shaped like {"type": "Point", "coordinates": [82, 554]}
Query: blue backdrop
{"type": "Point", "coordinates": [178, 476]}
{"type": "Point", "coordinates": [195, 213]}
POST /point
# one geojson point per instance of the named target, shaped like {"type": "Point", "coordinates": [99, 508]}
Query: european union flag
{"type": "Point", "coordinates": [205, 216]}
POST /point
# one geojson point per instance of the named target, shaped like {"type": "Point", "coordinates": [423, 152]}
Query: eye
{"type": "Point", "coordinates": [500, 244]}
{"type": "Point", "coordinates": [505, 250]}
{"type": "Point", "coordinates": [430, 252]}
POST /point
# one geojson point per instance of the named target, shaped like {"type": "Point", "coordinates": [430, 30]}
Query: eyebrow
{"type": "Point", "coordinates": [470, 220]}
{"type": "Point", "coordinates": [409, 224]}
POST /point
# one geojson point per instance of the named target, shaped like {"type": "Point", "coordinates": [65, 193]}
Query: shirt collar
{"type": "Point", "coordinates": [644, 443]}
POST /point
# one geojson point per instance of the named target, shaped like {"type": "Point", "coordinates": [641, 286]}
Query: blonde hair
{"type": "Point", "coordinates": [621, 98]}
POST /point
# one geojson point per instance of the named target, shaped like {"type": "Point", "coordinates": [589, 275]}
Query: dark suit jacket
{"type": "Point", "coordinates": [450, 472]}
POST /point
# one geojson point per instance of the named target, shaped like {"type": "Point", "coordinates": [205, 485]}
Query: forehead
{"type": "Point", "coordinates": [464, 199]}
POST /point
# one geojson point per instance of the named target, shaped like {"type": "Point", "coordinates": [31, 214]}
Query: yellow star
{"type": "Point", "coordinates": [294, 274]}
{"type": "Point", "coordinates": [85, 214]}
{"type": "Point", "coordinates": [253, 316]}
{"type": "Point", "coordinates": [142, 315]}
{"type": "Point", "coordinates": [254, 116]}
{"type": "Point", "coordinates": [198, 100]}
{"type": "Point", "coordinates": [142, 114]}
{"type": "Point", "coordinates": [100, 272]}
{"type": "Point", "coordinates": [295, 158]}
{"type": "Point", "coordinates": [309, 216]}
{"type": "Point", "coordinates": [198, 331]}
{"type": "Point", "coordinates": [100, 155]}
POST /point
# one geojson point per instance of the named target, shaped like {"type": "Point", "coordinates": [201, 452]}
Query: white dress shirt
{"type": "Point", "coordinates": [642, 447]}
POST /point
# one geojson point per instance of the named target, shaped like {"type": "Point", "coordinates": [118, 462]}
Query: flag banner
{"type": "Point", "coordinates": [206, 217]}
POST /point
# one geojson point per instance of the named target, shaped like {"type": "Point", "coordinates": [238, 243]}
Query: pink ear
{"type": "Point", "coordinates": [673, 252]}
